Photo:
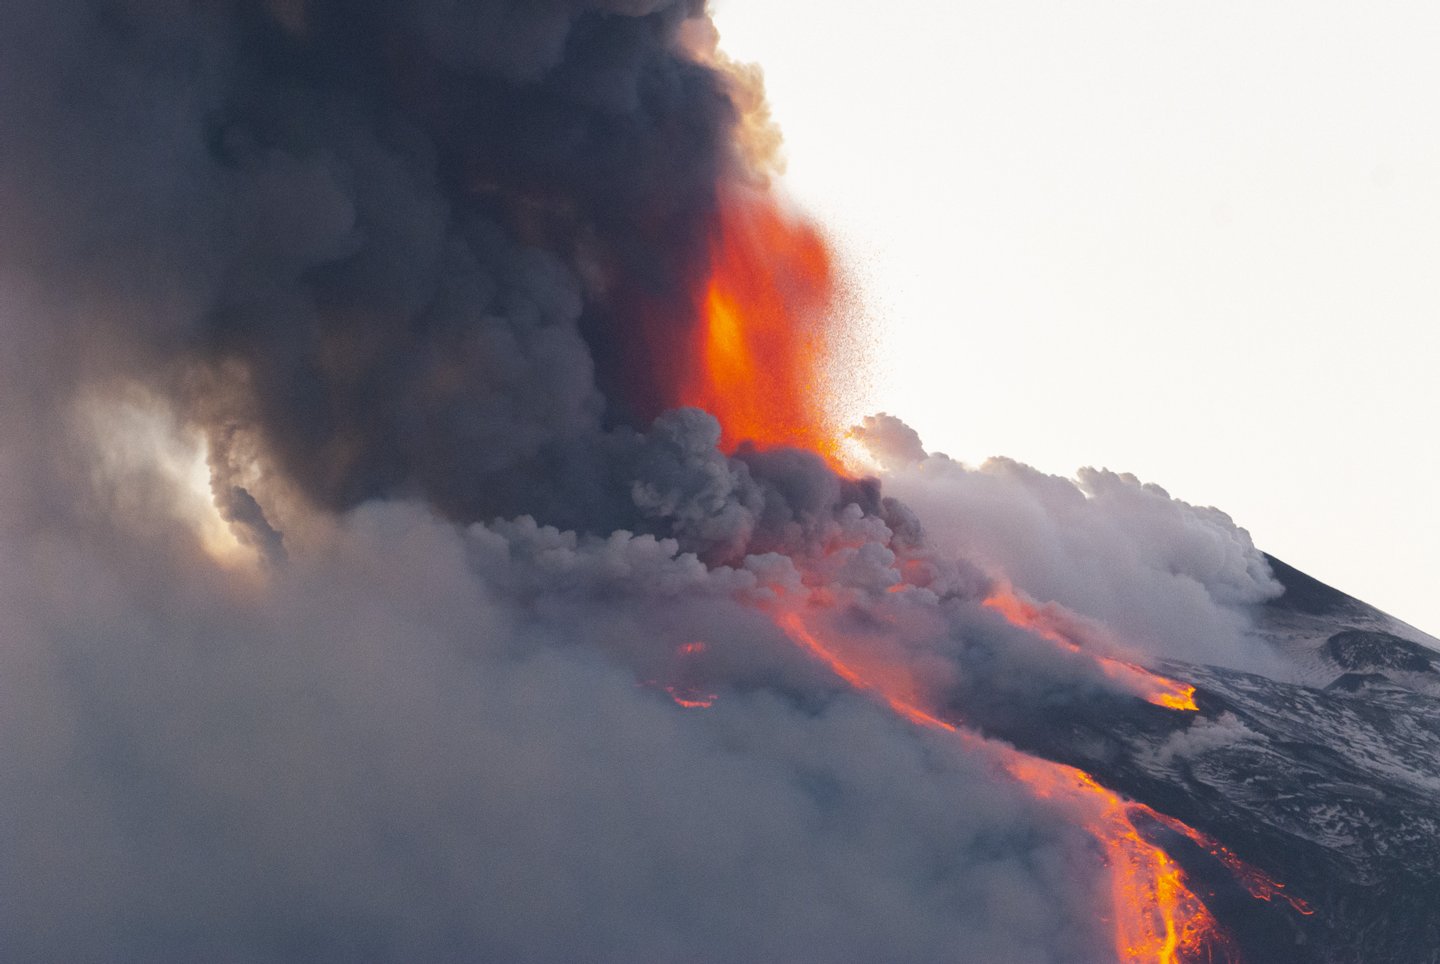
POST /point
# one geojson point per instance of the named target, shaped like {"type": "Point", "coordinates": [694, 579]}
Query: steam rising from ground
{"type": "Point", "coordinates": [345, 693]}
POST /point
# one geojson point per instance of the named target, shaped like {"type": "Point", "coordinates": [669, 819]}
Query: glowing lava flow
{"type": "Point", "coordinates": [1157, 918]}
{"type": "Point", "coordinates": [1049, 622]}
{"type": "Point", "coordinates": [759, 363]}
{"type": "Point", "coordinates": [761, 354]}
{"type": "Point", "coordinates": [794, 627]}
{"type": "Point", "coordinates": [1256, 882]}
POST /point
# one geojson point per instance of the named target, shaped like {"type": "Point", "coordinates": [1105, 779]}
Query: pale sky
{"type": "Point", "coordinates": [1195, 241]}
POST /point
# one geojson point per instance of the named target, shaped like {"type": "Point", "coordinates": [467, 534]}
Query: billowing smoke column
{"type": "Point", "coordinates": [364, 594]}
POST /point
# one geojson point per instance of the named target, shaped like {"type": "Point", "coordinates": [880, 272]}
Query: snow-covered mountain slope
{"type": "Point", "coordinates": [1326, 778]}
{"type": "Point", "coordinates": [1320, 634]}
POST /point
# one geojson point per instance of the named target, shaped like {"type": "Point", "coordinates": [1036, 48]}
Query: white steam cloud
{"type": "Point", "coordinates": [1171, 579]}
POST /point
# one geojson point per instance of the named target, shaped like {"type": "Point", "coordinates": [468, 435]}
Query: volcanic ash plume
{"type": "Point", "coordinates": [367, 592]}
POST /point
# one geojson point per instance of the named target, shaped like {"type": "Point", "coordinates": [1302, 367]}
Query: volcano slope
{"type": "Point", "coordinates": [1325, 774]}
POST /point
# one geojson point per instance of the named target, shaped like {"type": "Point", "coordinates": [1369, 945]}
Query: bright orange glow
{"type": "Point", "coordinates": [1049, 621]}
{"type": "Point", "coordinates": [903, 705]}
{"type": "Point", "coordinates": [761, 351]}
{"type": "Point", "coordinates": [1156, 915]}
{"type": "Point", "coordinates": [690, 700]}
{"type": "Point", "coordinates": [1183, 701]}
{"type": "Point", "coordinates": [1157, 918]}
{"type": "Point", "coordinates": [1256, 882]}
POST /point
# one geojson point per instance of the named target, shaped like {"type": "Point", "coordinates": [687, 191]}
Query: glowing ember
{"type": "Point", "coordinates": [689, 699]}
{"type": "Point", "coordinates": [761, 352]}
{"type": "Point", "coordinates": [685, 686]}
{"type": "Point", "coordinates": [1052, 623]}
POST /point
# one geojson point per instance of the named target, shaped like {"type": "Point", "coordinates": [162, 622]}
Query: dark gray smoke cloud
{"type": "Point", "coordinates": [423, 742]}
{"type": "Point", "coordinates": [346, 575]}
{"type": "Point", "coordinates": [366, 223]}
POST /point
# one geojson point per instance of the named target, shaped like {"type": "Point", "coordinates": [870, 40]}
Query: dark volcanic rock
{"type": "Point", "coordinates": [1306, 594]}
{"type": "Point", "coordinates": [1355, 682]}
{"type": "Point", "coordinates": [1358, 649]}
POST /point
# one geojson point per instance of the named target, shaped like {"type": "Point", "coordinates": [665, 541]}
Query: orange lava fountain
{"type": "Point", "coordinates": [761, 353]}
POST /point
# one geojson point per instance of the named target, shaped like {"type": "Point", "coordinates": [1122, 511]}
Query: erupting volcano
{"type": "Point", "coordinates": [425, 536]}
{"type": "Point", "coordinates": [759, 367]}
{"type": "Point", "coordinates": [1155, 914]}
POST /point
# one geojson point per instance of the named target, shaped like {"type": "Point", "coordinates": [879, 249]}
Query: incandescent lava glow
{"type": "Point", "coordinates": [683, 684]}
{"type": "Point", "coordinates": [690, 701]}
{"type": "Point", "coordinates": [1157, 918]}
{"type": "Point", "coordinates": [1256, 882]}
{"type": "Point", "coordinates": [1053, 623]}
{"type": "Point", "coordinates": [902, 703]}
{"type": "Point", "coordinates": [761, 352]}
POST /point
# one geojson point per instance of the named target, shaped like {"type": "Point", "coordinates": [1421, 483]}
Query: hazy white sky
{"type": "Point", "coordinates": [1195, 241]}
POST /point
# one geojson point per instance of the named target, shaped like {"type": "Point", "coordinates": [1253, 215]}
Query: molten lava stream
{"type": "Point", "coordinates": [1157, 919]}
{"type": "Point", "coordinates": [1256, 882]}
{"type": "Point", "coordinates": [1048, 622]}
{"type": "Point", "coordinates": [760, 358]}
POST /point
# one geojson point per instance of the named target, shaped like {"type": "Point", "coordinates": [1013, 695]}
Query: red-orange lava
{"type": "Point", "coordinates": [761, 351]}
{"type": "Point", "coordinates": [1050, 622]}
{"type": "Point", "coordinates": [1156, 917]}
{"type": "Point", "coordinates": [1256, 882]}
